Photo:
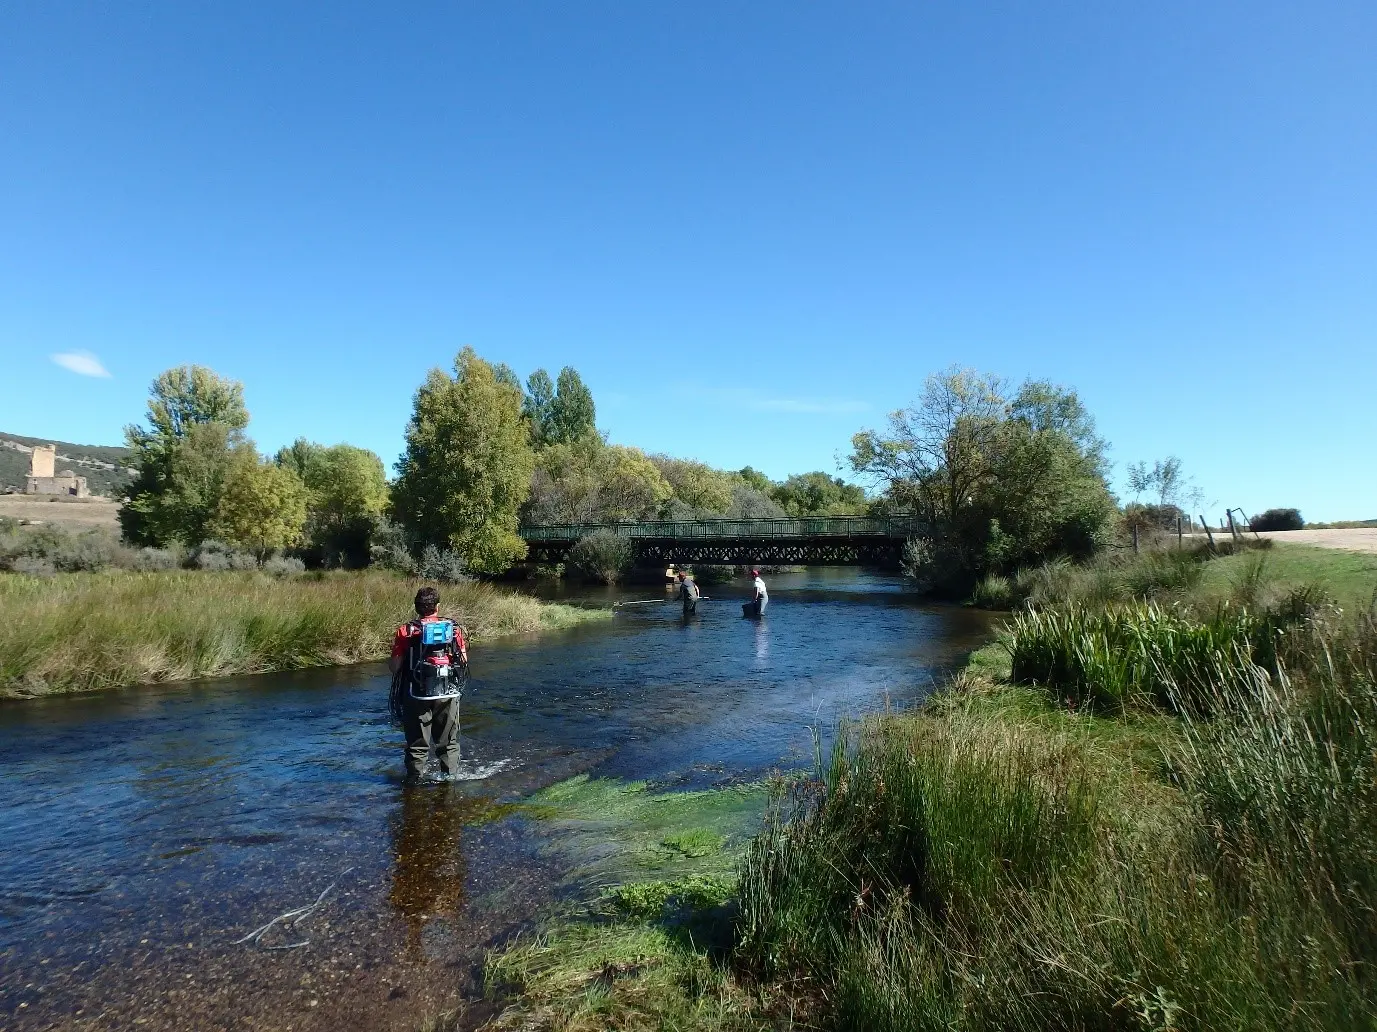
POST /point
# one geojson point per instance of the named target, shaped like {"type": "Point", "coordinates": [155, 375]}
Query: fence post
{"type": "Point", "coordinates": [1208, 533]}
{"type": "Point", "coordinates": [1233, 530]}
{"type": "Point", "coordinates": [1135, 539]}
{"type": "Point", "coordinates": [1178, 533]}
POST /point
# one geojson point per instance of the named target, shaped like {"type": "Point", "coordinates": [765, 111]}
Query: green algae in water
{"type": "Point", "coordinates": [620, 831]}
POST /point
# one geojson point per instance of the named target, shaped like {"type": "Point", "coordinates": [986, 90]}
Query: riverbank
{"type": "Point", "coordinates": [86, 631]}
{"type": "Point", "coordinates": [1033, 851]}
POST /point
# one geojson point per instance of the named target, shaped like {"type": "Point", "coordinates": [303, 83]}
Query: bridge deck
{"type": "Point", "coordinates": [809, 540]}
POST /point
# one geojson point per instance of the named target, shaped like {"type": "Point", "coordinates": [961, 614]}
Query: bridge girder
{"type": "Point", "coordinates": [809, 551]}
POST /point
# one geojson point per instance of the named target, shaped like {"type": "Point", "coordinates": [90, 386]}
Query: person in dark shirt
{"type": "Point", "coordinates": [427, 722]}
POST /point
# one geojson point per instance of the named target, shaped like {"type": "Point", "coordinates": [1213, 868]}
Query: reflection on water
{"type": "Point", "coordinates": [147, 831]}
{"type": "Point", "coordinates": [427, 857]}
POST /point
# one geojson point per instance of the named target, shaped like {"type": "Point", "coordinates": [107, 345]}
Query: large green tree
{"type": "Point", "coordinates": [993, 481]}
{"type": "Point", "coordinates": [346, 497]}
{"type": "Point", "coordinates": [262, 506]}
{"type": "Point", "coordinates": [467, 466]}
{"type": "Point", "coordinates": [587, 481]}
{"type": "Point", "coordinates": [819, 494]}
{"type": "Point", "coordinates": [195, 426]}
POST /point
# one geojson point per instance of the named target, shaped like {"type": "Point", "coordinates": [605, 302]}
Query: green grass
{"type": "Point", "coordinates": [1349, 577]}
{"type": "Point", "coordinates": [85, 631]}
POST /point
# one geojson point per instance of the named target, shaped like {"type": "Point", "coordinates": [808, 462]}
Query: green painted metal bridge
{"type": "Point", "coordinates": [807, 541]}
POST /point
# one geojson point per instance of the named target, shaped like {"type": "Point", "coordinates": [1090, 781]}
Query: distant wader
{"type": "Point", "coordinates": [756, 607]}
{"type": "Point", "coordinates": [688, 591]}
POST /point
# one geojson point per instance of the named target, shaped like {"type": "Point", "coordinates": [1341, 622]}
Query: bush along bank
{"type": "Point", "coordinates": [1184, 841]}
{"type": "Point", "coordinates": [142, 627]}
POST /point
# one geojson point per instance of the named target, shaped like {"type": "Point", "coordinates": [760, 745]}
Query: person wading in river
{"type": "Point", "coordinates": [761, 598]}
{"type": "Point", "coordinates": [688, 591]}
{"type": "Point", "coordinates": [429, 656]}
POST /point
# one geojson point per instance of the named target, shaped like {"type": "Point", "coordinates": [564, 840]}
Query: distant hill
{"type": "Point", "coordinates": [103, 467]}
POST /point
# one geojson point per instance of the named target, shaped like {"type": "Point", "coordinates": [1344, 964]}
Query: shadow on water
{"type": "Point", "coordinates": [147, 831]}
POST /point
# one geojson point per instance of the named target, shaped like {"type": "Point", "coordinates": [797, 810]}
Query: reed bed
{"type": "Point", "coordinates": [997, 863]}
{"type": "Point", "coordinates": [86, 631]}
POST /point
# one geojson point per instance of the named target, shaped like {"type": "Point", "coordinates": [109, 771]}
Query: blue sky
{"type": "Point", "coordinates": [753, 228]}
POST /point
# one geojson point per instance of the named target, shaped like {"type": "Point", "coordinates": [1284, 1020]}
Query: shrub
{"type": "Point", "coordinates": [995, 592]}
{"type": "Point", "coordinates": [216, 556]}
{"type": "Point", "coordinates": [32, 565]}
{"type": "Point", "coordinates": [388, 548]}
{"type": "Point", "coordinates": [603, 555]}
{"type": "Point", "coordinates": [439, 564]}
{"type": "Point", "coordinates": [1278, 519]}
{"type": "Point", "coordinates": [284, 566]}
{"type": "Point", "coordinates": [149, 559]}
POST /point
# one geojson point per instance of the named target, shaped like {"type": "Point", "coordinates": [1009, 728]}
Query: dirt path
{"type": "Point", "coordinates": [1354, 539]}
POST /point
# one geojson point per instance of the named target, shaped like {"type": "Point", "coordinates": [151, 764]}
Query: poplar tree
{"type": "Point", "coordinates": [467, 466]}
{"type": "Point", "coordinates": [194, 427]}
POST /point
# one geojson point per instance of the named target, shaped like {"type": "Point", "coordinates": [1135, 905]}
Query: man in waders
{"type": "Point", "coordinates": [429, 656]}
{"type": "Point", "coordinates": [689, 593]}
{"type": "Point", "coordinates": [761, 599]}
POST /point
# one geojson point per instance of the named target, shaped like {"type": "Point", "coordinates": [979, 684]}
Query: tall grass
{"type": "Point", "coordinates": [84, 631]}
{"type": "Point", "coordinates": [1146, 654]}
{"type": "Point", "coordinates": [1001, 874]}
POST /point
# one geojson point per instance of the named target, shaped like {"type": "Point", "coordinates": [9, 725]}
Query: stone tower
{"type": "Point", "coordinates": [44, 460]}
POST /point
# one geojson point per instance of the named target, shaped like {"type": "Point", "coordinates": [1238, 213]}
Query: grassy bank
{"type": "Point", "coordinates": [85, 631]}
{"type": "Point", "coordinates": [1120, 817]}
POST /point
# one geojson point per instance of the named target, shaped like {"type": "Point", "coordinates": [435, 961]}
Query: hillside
{"type": "Point", "coordinates": [101, 465]}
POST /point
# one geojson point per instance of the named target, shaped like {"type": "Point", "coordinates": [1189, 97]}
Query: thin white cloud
{"type": "Point", "coordinates": [83, 363]}
{"type": "Point", "coordinates": [757, 402]}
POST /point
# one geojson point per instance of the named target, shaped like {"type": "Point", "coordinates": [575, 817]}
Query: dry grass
{"type": "Point", "coordinates": [86, 631]}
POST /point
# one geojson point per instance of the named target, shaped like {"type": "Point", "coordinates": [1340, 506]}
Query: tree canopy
{"type": "Point", "coordinates": [346, 496]}
{"type": "Point", "coordinates": [995, 482]}
{"type": "Point", "coordinates": [467, 466]}
{"type": "Point", "coordinates": [262, 506]}
{"type": "Point", "coordinates": [195, 426]}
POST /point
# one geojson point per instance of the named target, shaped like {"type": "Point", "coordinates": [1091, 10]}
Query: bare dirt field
{"type": "Point", "coordinates": [1353, 539]}
{"type": "Point", "coordinates": [68, 512]}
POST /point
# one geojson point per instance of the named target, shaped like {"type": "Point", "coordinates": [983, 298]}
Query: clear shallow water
{"type": "Point", "coordinates": [145, 831]}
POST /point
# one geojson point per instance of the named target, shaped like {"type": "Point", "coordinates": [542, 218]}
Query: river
{"type": "Point", "coordinates": [147, 830]}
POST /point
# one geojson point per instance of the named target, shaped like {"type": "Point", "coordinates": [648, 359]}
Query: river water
{"type": "Point", "coordinates": [145, 831]}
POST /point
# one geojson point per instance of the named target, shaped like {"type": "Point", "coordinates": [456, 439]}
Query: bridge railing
{"type": "Point", "coordinates": [724, 529]}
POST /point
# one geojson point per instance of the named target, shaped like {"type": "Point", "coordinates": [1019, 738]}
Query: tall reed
{"type": "Point", "coordinates": [78, 632]}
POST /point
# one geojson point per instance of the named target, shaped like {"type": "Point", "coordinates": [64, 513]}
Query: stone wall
{"type": "Point", "coordinates": [67, 484]}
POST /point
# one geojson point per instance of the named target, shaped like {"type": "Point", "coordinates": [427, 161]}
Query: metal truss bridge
{"type": "Point", "coordinates": [808, 541]}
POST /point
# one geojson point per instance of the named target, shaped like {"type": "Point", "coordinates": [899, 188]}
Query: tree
{"type": "Point", "coordinates": [1165, 479]}
{"type": "Point", "coordinates": [935, 454]}
{"type": "Point", "coordinates": [347, 496]}
{"type": "Point", "coordinates": [262, 506]}
{"type": "Point", "coordinates": [1044, 405]}
{"type": "Point", "coordinates": [467, 466]}
{"type": "Point", "coordinates": [819, 494]}
{"type": "Point", "coordinates": [750, 504]}
{"type": "Point", "coordinates": [698, 489]}
{"type": "Point", "coordinates": [195, 425]}
{"type": "Point", "coordinates": [995, 484]}
{"type": "Point", "coordinates": [756, 479]}
{"type": "Point", "coordinates": [572, 413]}
{"type": "Point", "coordinates": [538, 403]}
{"type": "Point", "coordinates": [587, 481]}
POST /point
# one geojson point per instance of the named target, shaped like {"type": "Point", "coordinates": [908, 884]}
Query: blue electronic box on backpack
{"type": "Point", "coordinates": [437, 632]}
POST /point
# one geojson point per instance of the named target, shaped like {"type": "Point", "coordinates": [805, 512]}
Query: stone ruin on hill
{"type": "Point", "coordinates": [42, 480]}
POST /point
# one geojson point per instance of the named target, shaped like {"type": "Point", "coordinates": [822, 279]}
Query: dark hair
{"type": "Point", "coordinates": [427, 600]}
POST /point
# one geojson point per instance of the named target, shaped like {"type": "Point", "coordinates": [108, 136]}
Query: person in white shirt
{"type": "Point", "coordinates": [756, 606]}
